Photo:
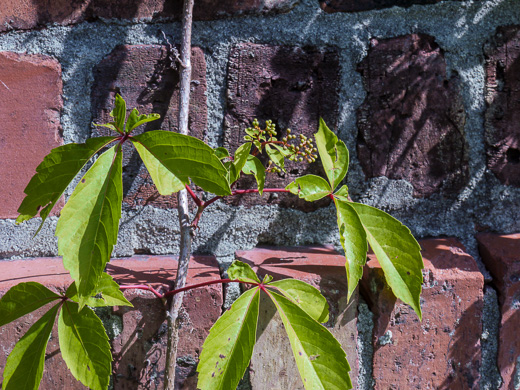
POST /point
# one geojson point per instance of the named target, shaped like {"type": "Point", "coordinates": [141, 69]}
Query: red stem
{"type": "Point", "coordinates": [194, 196]}
{"type": "Point", "coordinates": [143, 287]}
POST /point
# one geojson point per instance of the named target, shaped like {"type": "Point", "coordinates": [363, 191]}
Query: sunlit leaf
{"type": "Point", "coordinates": [309, 187]}
{"type": "Point", "coordinates": [239, 160]}
{"type": "Point", "coordinates": [88, 226]}
{"type": "Point", "coordinates": [275, 156]}
{"type": "Point", "coordinates": [107, 291]}
{"type": "Point", "coordinates": [221, 153]}
{"type": "Point", "coordinates": [255, 167]}
{"type": "Point", "coordinates": [229, 346]}
{"type": "Point", "coordinates": [135, 120]}
{"type": "Point", "coordinates": [342, 192]}
{"type": "Point", "coordinates": [119, 113]}
{"type": "Point", "coordinates": [84, 346]}
{"type": "Point", "coordinates": [397, 251]}
{"type": "Point", "coordinates": [24, 366]}
{"type": "Point", "coordinates": [243, 272]}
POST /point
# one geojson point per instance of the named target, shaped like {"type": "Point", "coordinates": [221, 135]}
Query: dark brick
{"type": "Point", "coordinates": [292, 86]}
{"type": "Point", "coordinates": [30, 108]}
{"type": "Point", "coordinates": [272, 365]}
{"type": "Point", "coordinates": [503, 99]}
{"type": "Point", "coordinates": [442, 351]}
{"type": "Point", "coordinates": [411, 124]}
{"type": "Point", "coordinates": [143, 75]}
{"type": "Point", "coordinates": [500, 254]}
{"type": "Point", "coordinates": [367, 5]}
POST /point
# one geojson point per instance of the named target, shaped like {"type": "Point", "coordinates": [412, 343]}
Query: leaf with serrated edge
{"type": "Point", "coordinates": [397, 251]}
{"type": "Point", "coordinates": [239, 160]}
{"type": "Point", "coordinates": [135, 120]}
{"type": "Point", "coordinates": [228, 348]}
{"type": "Point", "coordinates": [84, 346]}
{"type": "Point", "coordinates": [54, 174]}
{"type": "Point", "coordinates": [187, 156]}
{"type": "Point", "coordinates": [333, 154]}
{"type": "Point", "coordinates": [165, 181]}
{"type": "Point", "coordinates": [309, 187]}
{"type": "Point", "coordinates": [275, 156]}
{"type": "Point", "coordinates": [243, 272]}
{"type": "Point", "coordinates": [321, 362]}
{"type": "Point", "coordinates": [23, 299]}
{"type": "Point", "coordinates": [354, 242]}
{"type": "Point", "coordinates": [255, 167]}
{"type": "Point", "coordinates": [119, 113]}
{"type": "Point", "coordinates": [111, 294]}
{"type": "Point", "coordinates": [305, 296]}
{"type": "Point", "coordinates": [24, 365]}
{"type": "Point", "coordinates": [89, 223]}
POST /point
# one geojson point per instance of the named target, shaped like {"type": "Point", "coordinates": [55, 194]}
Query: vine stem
{"type": "Point", "coordinates": [186, 230]}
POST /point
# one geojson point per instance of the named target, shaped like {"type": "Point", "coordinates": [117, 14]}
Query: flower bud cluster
{"type": "Point", "coordinates": [304, 150]}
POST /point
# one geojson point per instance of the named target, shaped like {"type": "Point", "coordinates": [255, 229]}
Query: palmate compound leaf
{"type": "Point", "coordinates": [321, 362]}
{"type": "Point", "coordinates": [243, 272]}
{"type": "Point", "coordinates": [333, 154]}
{"type": "Point", "coordinates": [186, 157]}
{"type": "Point", "coordinates": [107, 293]}
{"type": "Point", "coordinates": [397, 251]}
{"type": "Point", "coordinates": [229, 346]}
{"type": "Point", "coordinates": [134, 119]}
{"type": "Point", "coordinates": [89, 223]}
{"type": "Point", "coordinates": [23, 299]}
{"type": "Point", "coordinates": [84, 346]}
{"type": "Point", "coordinates": [24, 366]}
{"type": "Point", "coordinates": [309, 187]}
{"type": "Point", "coordinates": [353, 240]}
{"type": "Point", "coordinates": [54, 174]}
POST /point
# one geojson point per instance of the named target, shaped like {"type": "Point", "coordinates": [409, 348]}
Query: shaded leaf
{"type": "Point", "coordinates": [321, 362]}
{"type": "Point", "coordinates": [54, 174]}
{"type": "Point", "coordinates": [88, 226]}
{"type": "Point", "coordinates": [309, 187]}
{"type": "Point", "coordinates": [108, 291]}
{"type": "Point", "coordinates": [239, 160]}
{"type": "Point", "coordinates": [275, 156]}
{"type": "Point", "coordinates": [221, 152]}
{"type": "Point", "coordinates": [119, 113]}
{"type": "Point", "coordinates": [228, 348]}
{"type": "Point", "coordinates": [84, 346]}
{"type": "Point", "coordinates": [187, 156]}
{"type": "Point", "coordinates": [255, 167]}
{"type": "Point", "coordinates": [304, 295]}
{"type": "Point", "coordinates": [354, 242]}
{"type": "Point", "coordinates": [24, 365]}
{"type": "Point", "coordinates": [243, 272]}
{"type": "Point", "coordinates": [23, 299]}
{"type": "Point", "coordinates": [397, 251]}
{"type": "Point", "coordinates": [135, 120]}
{"type": "Point", "coordinates": [333, 154]}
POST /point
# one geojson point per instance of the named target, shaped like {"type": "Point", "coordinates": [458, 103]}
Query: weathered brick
{"type": "Point", "coordinates": [139, 333]}
{"type": "Point", "coordinates": [442, 351]}
{"type": "Point", "coordinates": [272, 365]}
{"type": "Point", "coordinates": [30, 107]}
{"type": "Point", "coordinates": [500, 253]}
{"type": "Point", "coordinates": [292, 86]}
{"type": "Point", "coordinates": [144, 76]}
{"type": "Point", "coordinates": [411, 124]}
{"type": "Point", "coordinates": [503, 100]}
{"type": "Point", "coordinates": [21, 14]}
{"type": "Point", "coordinates": [367, 5]}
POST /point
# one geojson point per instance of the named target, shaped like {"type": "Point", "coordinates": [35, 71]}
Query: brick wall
{"type": "Point", "coordinates": [425, 93]}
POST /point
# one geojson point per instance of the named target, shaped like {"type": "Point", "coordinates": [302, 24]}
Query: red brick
{"type": "Point", "coordinates": [367, 5]}
{"type": "Point", "coordinates": [411, 124]}
{"type": "Point", "coordinates": [442, 351]}
{"type": "Point", "coordinates": [30, 107]}
{"type": "Point", "coordinates": [139, 350]}
{"type": "Point", "coordinates": [503, 99]}
{"type": "Point", "coordinates": [144, 76]}
{"type": "Point", "coordinates": [500, 253]}
{"type": "Point", "coordinates": [321, 267]}
{"type": "Point", "coordinates": [292, 86]}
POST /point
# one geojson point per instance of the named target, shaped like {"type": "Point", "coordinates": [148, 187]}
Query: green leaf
{"type": "Point", "coordinates": [267, 279]}
{"type": "Point", "coordinates": [397, 251]}
{"type": "Point", "coordinates": [239, 160]}
{"type": "Point", "coordinates": [88, 226]}
{"type": "Point", "coordinates": [165, 181]}
{"type": "Point", "coordinates": [242, 271]}
{"type": "Point", "coordinates": [284, 152]}
{"type": "Point", "coordinates": [23, 299]}
{"type": "Point", "coordinates": [119, 113]}
{"type": "Point", "coordinates": [221, 153]}
{"type": "Point", "coordinates": [110, 126]}
{"type": "Point", "coordinates": [229, 346]}
{"type": "Point", "coordinates": [333, 154]}
{"type": "Point", "coordinates": [24, 366]}
{"type": "Point", "coordinates": [108, 290]}
{"type": "Point", "coordinates": [255, 167]}
{"type": "Point", "coordinates": [134, 119]}
{"type": "Point", "coordinates": [354, 242]}
{"type": "Point", "coordinates": [84, 346]}
{"type": "Point", "coordinates": [253, 132]}
{"type": "Point", "coordinates": [54, 174]}
{"type": "Point", "coordinates": [342, 192]}
{"type": "Point", "coordinates": [321, 361]}
{"type": "Point", "coordinates": [187, 156]}
{"type": "Point", "coordinates": [309, 187]}
{"type": "Point", "coordinates": [305, 296]}
{"type": "Point", "coordinates": [275, 156]}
